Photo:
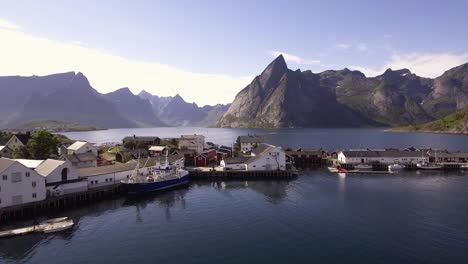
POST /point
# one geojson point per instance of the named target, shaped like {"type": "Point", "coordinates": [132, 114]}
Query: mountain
{"type": "Point", "coordinates": [449, 92]}
{"type": "Point", "coordinates": [133, 107]}
{"type": "Point", "coordinates": [63, 97]}
{"type": "Point", "coordinates": [176, 111]}
{"type": "Point", "coordinates": [453, 123]}
{"type": "Point", "coordinates": [280, 97]}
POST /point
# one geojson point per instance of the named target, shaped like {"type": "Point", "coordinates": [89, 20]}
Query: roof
{"type": "Point", "coordinates": [119, 167]}
{"type": "Point", "coordinates": [32, 164]}
{"type": "Point", "coordinates": [24, 138]}
{"type": "Point", "coordinates": [236, 160]}
{"type": "Point", "coordinates": [157, 148]}
{"type": "Point", "coordinates": [304, 152]}
{"type": "Point", "coordinates": [74, 158]}
{"type": "Point", "coordinates": [184, 151]}
{"type": "Point", "coordinates": [251, 139]}
{"type": "Point", "coordinates": [48, 166]}
{"type": "Point", "coordinates": [77, 145]}
{"type": "Point", "coordinates": [2, 147]}
{"type": "Point", "coordinates": [5, 163]}
{"type": "Point", "coordinates": [263, 147]}
{"type": "Point", "coordinates": [141, 138]}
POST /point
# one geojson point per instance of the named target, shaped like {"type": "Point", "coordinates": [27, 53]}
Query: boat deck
{"type": "Point", "coordinates": [43, 227]}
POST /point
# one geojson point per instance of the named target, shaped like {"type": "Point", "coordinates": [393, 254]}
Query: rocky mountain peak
{"type": "Point", "coordinates": [274, 71]}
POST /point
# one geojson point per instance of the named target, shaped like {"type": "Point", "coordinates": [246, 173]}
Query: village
{"type": "Point", "coordinates": [83, 172]}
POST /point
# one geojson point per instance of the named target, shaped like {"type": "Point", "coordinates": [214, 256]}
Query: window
{"type": "Point", "coordinates": [107, 179]}
{"type": "Point", "coordinates": [16, 177]}
{"type": "Point", "coordinates": [27, 174]}
{"type": "Point", "coordinates": [0, 200]}
{"type": "Point", "coordinates": [5, 177]}
{"type": "Point", "coordinates": [33, 184]}
{"type": "Point", "coordinates": [34, 195]}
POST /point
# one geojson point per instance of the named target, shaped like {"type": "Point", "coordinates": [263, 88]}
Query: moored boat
{"type": "Point", "coordinates": [58, 226]}
{"type": "Point", "coordinates": [395, 167]}
{"type": "Point", "coordinates": [429, 166]}
{"type": "Point", "coordinates": [363, 167]}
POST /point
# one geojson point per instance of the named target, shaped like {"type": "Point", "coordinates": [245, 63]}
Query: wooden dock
{"type": "Point", "coordinates": [241, 174]}
{"type": "Point", "coordinates": [335, 170]}
{"type": "Point", "coordinates": [40, 228]}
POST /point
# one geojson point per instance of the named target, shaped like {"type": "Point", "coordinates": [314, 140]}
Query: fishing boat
{"type": "Point", "coordinates": [156, 178]}
{"type": "Point", "coordinates": [54, 220]}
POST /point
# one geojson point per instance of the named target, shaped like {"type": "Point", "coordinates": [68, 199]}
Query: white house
{"type": "Point", "coordinates": [19, 184]}
{"type": "Point", "coordinates": [194, 142]}
{"type": "Point", "coordinates": [382, 156]}
{"type": "Point", "coordinates": [249, 142]}
{"type": "Point", "coordinates": [264, 157]}
{"type": "Point", "coordinates": [80, 147]}
{"type": "Point", "coordinates": [61, 177]}
{"type": "Point", "coordinates": [18, 140]}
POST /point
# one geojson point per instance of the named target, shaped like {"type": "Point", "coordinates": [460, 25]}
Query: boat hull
{"type": "Point", "coordinates": [146, 187]}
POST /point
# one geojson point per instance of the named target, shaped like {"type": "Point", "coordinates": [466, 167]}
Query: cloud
{"type": "Point", "coordinates": [24, 54]}
{"type": "Point", "coordinates": [7, 25]}
{"type": "Point", "coordinates": [343, 45]}
{"type": "Point", "coordinates": [361, 47]}
{"type": "Point", "coordinates": [294, 58]}
{"type": "Point", "coordinates": [423, 64]}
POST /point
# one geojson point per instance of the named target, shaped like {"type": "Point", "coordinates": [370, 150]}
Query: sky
{"type": "Point", "coordinates": [207, 51]}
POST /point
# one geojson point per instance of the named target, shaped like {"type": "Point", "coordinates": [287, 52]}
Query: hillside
{"type": "Point", "coordinates": [453, 123]}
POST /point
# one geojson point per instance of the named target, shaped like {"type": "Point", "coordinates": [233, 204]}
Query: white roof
{"type": "Point", "coordinates": [32, 164]}
{"type": "Point", "coordinates": [48, 166]}
{"type": "Point", "coordinates": [77, 145]}
{"type": "Point", "coordinates": [1, 147]}
{"type": "Point", "coordinates": [157, 148]}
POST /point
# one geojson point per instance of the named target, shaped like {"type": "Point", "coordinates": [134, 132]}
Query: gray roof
{"type": "Point", "coordinates": [48, 166]}
{"type": "Point", "coordinates": [251, 139]}
{"type": "Point", "coordinates": [5, 163]}
{"type": "Point", "coordinates": [386, 153]}
{"type": "Point", "coordinates": [82, 157]}
{"type": "Point", "coordinates": [263, 147]}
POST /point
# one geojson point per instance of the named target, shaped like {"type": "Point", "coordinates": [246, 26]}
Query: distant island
{"type": "Point", "coordinates": [456, 123]}
{"type": "Point", "coordinates": [57, 126]}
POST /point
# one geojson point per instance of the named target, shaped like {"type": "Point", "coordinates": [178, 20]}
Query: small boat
{"type": "Point", "coordinates": [54, 220]}
{"type": "Point", "coordinates": [395, 167]}
{"type": "Point", "coordinates": [363, 167]}
{"type": "Point", "coordinates": [429, 166]}
{"type": "Point", "coordinates": [58, 226]}
{"type": "Point", "coordinates": [464, 167]}
{"type": "Point", "coordinates": [337, 169]}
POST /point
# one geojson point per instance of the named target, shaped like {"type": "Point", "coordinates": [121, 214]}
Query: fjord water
{"type": "Point", "coordinates": [319, 217]}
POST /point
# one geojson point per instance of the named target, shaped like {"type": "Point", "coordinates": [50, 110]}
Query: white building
{"type": "Point", "coordinates": [61, 177]}
{"type": "Point", "coordinates": [80, 147]}
{"type": "Point", "coordinates": [18, 140]}
{"type": "Point", "coordinates": [249, 142]}
{"type": "Point", "coordinates": [264, 157]}
{"type": "Point", "coordinates": [382, 156]}
{"type": "Point", "coordinates": [19, 184]}
{"type": "Point", "coordinates": [194, 142]}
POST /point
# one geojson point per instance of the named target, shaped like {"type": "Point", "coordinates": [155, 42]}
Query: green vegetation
{"type": "Point", "coordinates": [453, 123]}
{"type": "Point", "coordinates": [42, 145]}
{"type": "Point", "coordinates": [57, 126]}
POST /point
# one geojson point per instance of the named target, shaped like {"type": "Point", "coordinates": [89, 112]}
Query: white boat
{"type": "Point", "coordinates": [429, 166]}
{"type": "Point", "coordinates": [54, 220]}
{"type": "Point", "coordinates": [363, 167]}
{"type": "Point", "coordinates": [59, 226]}
{"type": "Point", "coordinates": [464, 167]}
{"type": "Point", "coordinates": [395, 167]}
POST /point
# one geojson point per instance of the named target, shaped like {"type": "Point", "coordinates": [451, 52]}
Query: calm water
{"type": "Point", "coordinates": [317, 218]}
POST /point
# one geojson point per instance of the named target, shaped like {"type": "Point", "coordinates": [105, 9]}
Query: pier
{"type": "Point", "coordinates": [244, 175]}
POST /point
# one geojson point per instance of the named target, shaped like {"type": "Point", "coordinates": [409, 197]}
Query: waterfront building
{"type": "Point", "coordinates": [81, 154]}
{"type": "Point", "coordinates": [446, 156]}
{"type": "Point", "coordinates": [247, 143]}
{"type": "Point", "coordinates": [124, 154]}
{"type": "Point", "coordinates": [61, 177]}
{"type": "Point", "coordinates": [19, 184]}
{"type": "Point", "coordinates": [206, 158]}
{"type": "Point", "coordinates": [194, 142]}
{"type": "Point", "coordinates": [382, 156]}
{"type": "Point", "coordinates": [264, 157]}
{"type": "Point", "coordinates": [188, 154]}
{"type": "Point", "coordinates": [6, 152]}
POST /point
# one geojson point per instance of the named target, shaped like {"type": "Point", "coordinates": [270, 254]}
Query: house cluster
{"type": "Point", "coordinates": [262, 157]}
{"type": "Point", "coordinates": [405, 156]}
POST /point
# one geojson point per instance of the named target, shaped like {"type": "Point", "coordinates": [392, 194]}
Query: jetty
{"type": "Point", "coordinates": [43, 227]}
{"type": "Point", "coordinates": [336, 170]}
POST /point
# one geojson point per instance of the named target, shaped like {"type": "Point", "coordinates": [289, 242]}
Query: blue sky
{"type": "Point", "coordinates": [217, 47]}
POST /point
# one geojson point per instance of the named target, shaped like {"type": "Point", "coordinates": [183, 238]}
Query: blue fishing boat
{"type": "Point", "coordinates": [156, 178]}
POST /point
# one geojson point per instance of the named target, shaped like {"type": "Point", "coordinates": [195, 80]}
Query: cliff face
{"type": "Point", "coordinates": [280, 97]}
